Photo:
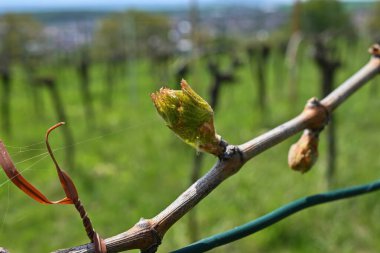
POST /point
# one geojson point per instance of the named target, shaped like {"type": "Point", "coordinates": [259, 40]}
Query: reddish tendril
{"type": "Point", "coordinates": [67, 184]}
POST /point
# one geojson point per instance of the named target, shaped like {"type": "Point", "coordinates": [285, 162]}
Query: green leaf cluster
{"type": "Point", "coordinates": [189, 116]}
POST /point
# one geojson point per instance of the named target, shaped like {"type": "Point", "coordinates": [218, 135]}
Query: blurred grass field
{"type": "Point", "coordinates": [129, 165]}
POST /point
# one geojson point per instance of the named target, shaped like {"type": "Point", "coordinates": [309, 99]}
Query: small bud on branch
{"type": "Point", "coordinates": [190, 117]}
{"type": "Point", "coordinates": [304, 153]}
{"type": "Point", "coordinates": [375, 50]}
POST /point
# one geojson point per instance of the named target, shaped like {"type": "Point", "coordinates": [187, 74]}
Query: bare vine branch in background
{"type": "Point", "coordinates": [51, 84]}
{"type": "Point", "coordinates": [83, 70]}
{"type": "Point", "coordinates": [258, 55]}
{"type": "Point", "coordinates": [328, 64]}
{"type": "Point", "coordinates": [148, 233]}
{"type": "Point", "coordinates": [6, 78]}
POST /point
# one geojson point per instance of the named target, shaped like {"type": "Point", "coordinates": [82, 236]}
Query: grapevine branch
{"type": "Point", "coordinates": [276, 216]}
{"type": "Point", "coordinates": [148, 233]}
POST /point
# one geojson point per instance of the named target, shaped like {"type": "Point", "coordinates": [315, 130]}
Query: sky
{"type": "Point", "coordinates": [14, 5]}
{"type": "Point", "coordinates": [32, 5]}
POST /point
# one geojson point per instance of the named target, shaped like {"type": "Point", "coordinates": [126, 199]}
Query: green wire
{"type": "Point", "coordinates": [275, 216]}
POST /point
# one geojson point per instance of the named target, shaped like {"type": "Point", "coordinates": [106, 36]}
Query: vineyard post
{"type": "Point", "coordinates": [292, 51]}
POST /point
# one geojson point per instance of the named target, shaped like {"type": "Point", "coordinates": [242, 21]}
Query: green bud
{"type": "Point", "coordinates": [189, 116]}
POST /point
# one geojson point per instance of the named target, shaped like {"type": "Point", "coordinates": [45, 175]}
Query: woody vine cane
{"type": "Point", "coordinates": [68, 186]}
{"type": "Point", "coordinates": [140, 235]}
{"type": "Point", "coordinates": [147, 233]}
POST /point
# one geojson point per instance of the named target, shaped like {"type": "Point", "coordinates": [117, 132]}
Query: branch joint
{"type": "Point", "coordinates": [317, 115]}
{"type": "Point", "coordinates": [156, 237]}
{"type": "Point", "coordinates": [157, 242]}
{"type": "Point", "coordinates": [374, 50]}
{"type": "Point", "coordinates": [230, 152]}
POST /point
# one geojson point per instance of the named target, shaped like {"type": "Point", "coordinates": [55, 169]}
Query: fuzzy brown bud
{"type": "Point", "coordinates": [304, 153]}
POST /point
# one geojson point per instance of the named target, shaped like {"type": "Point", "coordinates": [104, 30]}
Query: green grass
{"type": "Point", "coordinates": [132, 166]}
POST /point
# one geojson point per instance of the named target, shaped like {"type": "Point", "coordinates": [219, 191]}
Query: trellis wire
{"type": "Point", "coordinates": [277, 215]}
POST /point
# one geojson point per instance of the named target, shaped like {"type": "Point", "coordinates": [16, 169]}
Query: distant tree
{"type": "Point", "coordinates": [110, 37]}
{"type": "Point", "coordinates": [131, 31]}
{"type": "Point", "coordinates": [325, 17]}
{"type": "Point", "coordinates": [374, 22]}
{"type": "Point", "coordinates": [19, 36]}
